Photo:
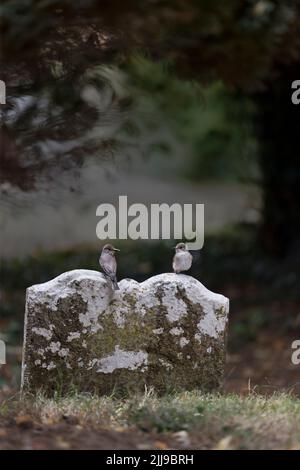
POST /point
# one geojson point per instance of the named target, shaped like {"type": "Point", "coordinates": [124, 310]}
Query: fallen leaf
{"type": "Point", "coordinates": [119, 429]}
{"type": "Point", "coordinates": [62, 443]}
{"type": "Point", "coordinates": [224, 444]}
{"type": "Point", "coordinates": [24, 421]}
{"type": "Point", "coordinates": [50, 421]}
{"type": "Point", "coordinates": [3, 432]}
{"type": "Point", "coordinates": [161, 445]}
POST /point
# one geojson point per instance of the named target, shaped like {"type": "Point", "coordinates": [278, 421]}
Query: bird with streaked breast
{"type": "Point", "coordinates": [183, 259]}
{"type": "Point", "coordinates": [108, 263]}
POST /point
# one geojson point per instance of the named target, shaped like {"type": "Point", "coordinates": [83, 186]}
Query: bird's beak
{"type": "Point", "coordinates": [116, 249]}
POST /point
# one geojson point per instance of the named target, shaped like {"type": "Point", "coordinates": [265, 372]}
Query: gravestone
{"type": "Point", "coordinates": [168, 332]}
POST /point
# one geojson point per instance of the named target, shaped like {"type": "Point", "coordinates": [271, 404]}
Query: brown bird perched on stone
{"type": "Point", "coordinates": [182, 260]}
{"type": "Point", "coordinates": [108, 264]}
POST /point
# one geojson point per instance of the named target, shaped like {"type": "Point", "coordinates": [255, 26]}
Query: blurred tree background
{"type": "Point", "coordinates": [49, 49]}
{"type": "Point", "coordinates": [201, 91]}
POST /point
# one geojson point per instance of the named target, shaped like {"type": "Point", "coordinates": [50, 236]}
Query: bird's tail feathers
{"type": "Point", "coordinates": [113, 281]}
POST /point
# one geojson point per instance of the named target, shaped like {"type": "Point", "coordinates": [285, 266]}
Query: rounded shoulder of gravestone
{"type": "Point", "coordinates": [89, 294]}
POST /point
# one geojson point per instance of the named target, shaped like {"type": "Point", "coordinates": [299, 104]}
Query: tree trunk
{"type": "Point", "coordinates": [279, 134]}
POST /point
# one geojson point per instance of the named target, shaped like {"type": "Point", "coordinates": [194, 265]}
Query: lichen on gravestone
{"type": "Point", "coordinates": [168, 332]}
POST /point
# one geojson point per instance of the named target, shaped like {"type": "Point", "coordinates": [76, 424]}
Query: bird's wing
{"type": "Point", "coordinates": [109, 271]}
{"type": "Point", "coordinates": [109, 267]}
{"type": "Point", "coordinates": [176, 261]}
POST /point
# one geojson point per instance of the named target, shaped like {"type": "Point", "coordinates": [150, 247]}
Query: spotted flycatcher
{"type": "Point", "coordinates": [108, 264]}
{"type": "Point", "coordinates": [182, 260]}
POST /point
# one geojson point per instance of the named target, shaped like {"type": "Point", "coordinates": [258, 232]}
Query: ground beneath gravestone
{"type": "Point", "coordinates": [181, 421]}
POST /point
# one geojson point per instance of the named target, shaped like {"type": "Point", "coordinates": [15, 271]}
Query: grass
{"type": "Point", "coordinates": [202, 421]}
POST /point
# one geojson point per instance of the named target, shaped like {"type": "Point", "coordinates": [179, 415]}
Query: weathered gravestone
{"type": "Point", "coordinates": [168, 332]}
